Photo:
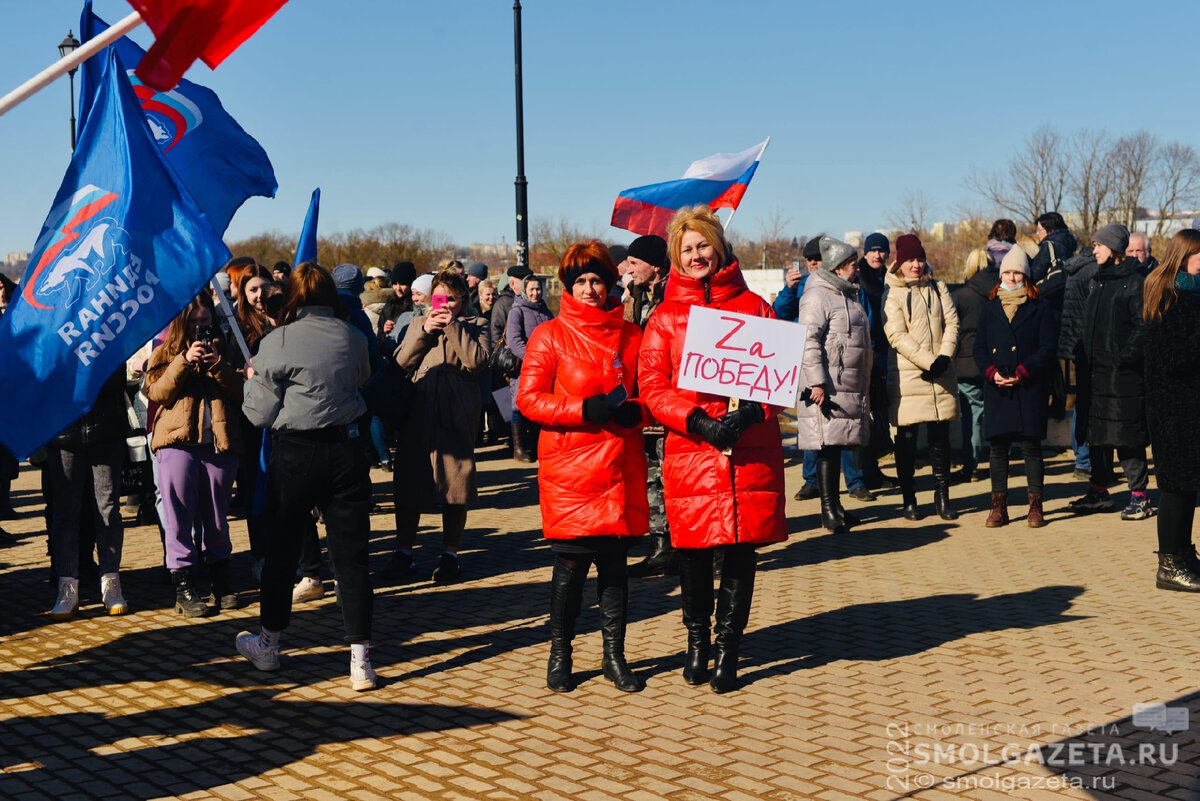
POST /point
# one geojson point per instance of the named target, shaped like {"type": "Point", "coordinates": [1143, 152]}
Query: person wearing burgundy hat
{"type": "Point", "coordinates": [922, 328]}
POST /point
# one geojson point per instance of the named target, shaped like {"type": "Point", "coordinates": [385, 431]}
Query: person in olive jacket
{"type": "Point", "coordinates": [1014, 350]}
{"type": "Point", "coordinates": [1172, 315]}
{"type": "Point", "coordinates": [1111, 413]}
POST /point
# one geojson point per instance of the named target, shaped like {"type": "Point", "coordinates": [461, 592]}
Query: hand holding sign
{"type": "Point", "coordinates": [740, 356]}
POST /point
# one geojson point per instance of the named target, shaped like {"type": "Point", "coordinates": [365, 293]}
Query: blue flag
{"type": "Point", "coordinates": [220, 164]}
{"type": "Point", "coordinates": [306, 248]}
{"type": "Point", "coordinates": [123, 249]}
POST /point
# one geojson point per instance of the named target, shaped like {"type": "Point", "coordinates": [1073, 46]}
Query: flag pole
{"type": "Point", "coordinates": [761, 150]}
{"type": "Point", "coordinates": [227, 310]}
{"type": "Point", "coordinates": [68, 63]}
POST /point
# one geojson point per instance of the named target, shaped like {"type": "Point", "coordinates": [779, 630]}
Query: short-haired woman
{"type": "Point", "coordinates": [579, 372]}
{"type": "Point", "coordinates": [722, 468]}
{"type": "Point", "coordinates": [304, 387]}
{"type": "Point", "coordinates": [922, 328]}
{"type": "Point", "coordinates": [1172, 314]}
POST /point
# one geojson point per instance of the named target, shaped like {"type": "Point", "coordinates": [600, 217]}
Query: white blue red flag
{"type": "Point", "coordinates": [220, 164]}
{"type": "Point", "coordinates": [123, 249]}
{"type": "Point", "coordinates": [718, 181]}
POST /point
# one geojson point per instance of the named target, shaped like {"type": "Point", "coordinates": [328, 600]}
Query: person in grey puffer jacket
{"type": "Point", "coordinates": [834, 409]}
{"type": "Point", "coordinates": [529, 310]}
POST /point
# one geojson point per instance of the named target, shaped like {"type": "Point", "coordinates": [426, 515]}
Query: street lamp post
{"type": "Point", "coordinates": [65, 48]}
{"type": "Point", "coordinates": [522, 243]}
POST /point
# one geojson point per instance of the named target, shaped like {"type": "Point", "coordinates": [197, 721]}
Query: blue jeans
{"type": "Point", "coordinates": [854, 476]}
{"type": "Point", "coordinates": [970, 402]}
{"type": "Point", "coordinates": [379, 439]}
{"type": "Point", "coordinates": [1083, 454]}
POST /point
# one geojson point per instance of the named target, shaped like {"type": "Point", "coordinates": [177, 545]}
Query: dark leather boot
{"type": "Point", "coordinates": [613, 595]}
{"type": "Point", "coordinates": [224, 597]}
{"type": "Point", "coordinates": [662, 560]}
{"type": "Point", "coordinates": [1035, 518]}
{"type": "Point", "coordinates": [566, 596]}
{"type": "Point", "coordinates": [187, 598]}
{"type": "Point", "coordinates": [733, 612]}
{"type": "Point", "coordinates": [999, 515]}
{"type": "Point", "coordinates": [520, 454]}
{"type": "Point", "coordinates": [906, 460]}
{"type": "Point", "coordinates": [910, 511]}
{"type": "Point", "coordinates": [828, 478]}
{"type": "Point", "coordinates": [1175, 572]}
{"type": "Point", "coordinates": [939, 454]}
{"type": "Point", "coordinates": [696, 595]}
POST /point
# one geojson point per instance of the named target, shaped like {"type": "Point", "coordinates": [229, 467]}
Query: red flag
{"type": "Point", "coordinates": [185, 30]}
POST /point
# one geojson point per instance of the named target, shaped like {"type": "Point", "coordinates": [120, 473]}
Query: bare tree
{"type": "Point", "coordinates": [915, 213]}
{"type": "Point", "coordinates": [1034, 181]}
{"type": "Point", "coordinates": [774, 243]}
{"type": "Point", "coordinates": [1177, 181]}
{"type": "Point", "coordinates": [1090, 183]}
{"type": "Point", "coordinates": [550, 238]}
{"type": "Point", "coordinates": [1132, 159]}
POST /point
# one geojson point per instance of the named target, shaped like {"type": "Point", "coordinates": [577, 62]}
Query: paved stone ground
{"type": "Point", "coordinates": [928, 660]}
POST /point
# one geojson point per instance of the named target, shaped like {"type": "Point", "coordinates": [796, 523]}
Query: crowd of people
{"type": "Point", "coordinates": [263, 385]}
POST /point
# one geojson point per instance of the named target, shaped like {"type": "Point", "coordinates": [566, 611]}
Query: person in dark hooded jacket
{"type": "Point", "coordinates": [1112, 407]}
{"type": "Point", "coordinates": [1080, 270]}
{"type": "Point", "coordinates": [982, 276]}
{"type": "Point", "coordinates": [1056, 245]}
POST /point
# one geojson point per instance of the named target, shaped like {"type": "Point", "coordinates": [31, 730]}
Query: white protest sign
{"type": "Point", "coordinates": [739, 356]}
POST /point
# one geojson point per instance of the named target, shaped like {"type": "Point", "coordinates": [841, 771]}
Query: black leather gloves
{"type": "Point", "coordinates": [597, 410]}
{"type": "Point", "coordinates": [715, 432]}
{"type": "Point", "coordinates": [628, 414]}
{"type": "Point", "coordinates": [939, 366]}
{"type": "Point", "coordinates": [745, 415]}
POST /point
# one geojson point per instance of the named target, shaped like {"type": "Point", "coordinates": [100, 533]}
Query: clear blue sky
{"type": "Point", "coordinates": [403, 111]}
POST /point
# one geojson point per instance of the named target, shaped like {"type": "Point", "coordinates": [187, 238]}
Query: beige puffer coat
{"type": "Point", "coordinates": [837, 355]}
{"type": "Point", "coordinates": [921, 324]}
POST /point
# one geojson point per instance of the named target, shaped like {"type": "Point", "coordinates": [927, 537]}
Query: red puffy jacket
{"type": "Point", "coordinates": [591, 477]}
{"type": "Point", "coordinates": [712, 499]}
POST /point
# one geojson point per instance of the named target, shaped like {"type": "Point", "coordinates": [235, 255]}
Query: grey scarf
{"type": "Point", "coordinates": [847, 288]}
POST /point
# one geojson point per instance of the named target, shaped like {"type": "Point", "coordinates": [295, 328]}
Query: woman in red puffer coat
{"type": "Point", "coordinates": [579, 372]}
{"type": "Point", "coordinates": [732, 501]}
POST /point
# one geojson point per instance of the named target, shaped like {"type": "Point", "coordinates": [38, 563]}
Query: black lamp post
{"type": "Point", "coordinates": [65, 48]}
{"type": "Point", "coordinates": [522, 198]}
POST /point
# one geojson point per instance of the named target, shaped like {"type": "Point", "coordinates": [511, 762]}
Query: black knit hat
{"type": "Point", "coordinates": [650, 249]}
{"type": "Point", "coordinates": [812, 249]}
{"type": "Point", "coordinates": [517, 271]}
{"type": "Point", "coordinates": [404, 273]}
{"type": "Point", "coordinates": [569, 275]}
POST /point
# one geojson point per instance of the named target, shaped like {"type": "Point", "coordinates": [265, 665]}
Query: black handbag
{"type": "Point", "coordinates": [505, 362]}
{"type": "Point", "coordinates": [390, 394]}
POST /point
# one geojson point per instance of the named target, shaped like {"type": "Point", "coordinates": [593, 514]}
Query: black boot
{"type": "Point", "coordinates": [187, 599]}
{"type": "Point", "coordinates": [662, 560]}
{"type": "Point", "coordinates": [612, 592]}
{"type": "Point", "coordinates": [518, 443]}
{"type": "Point", "coordinates": [939, 454]}
{"type": "Point", "coordinates": [829, 473]}
{"type": "Point", "coordinates": [906, 460]}
{"type": "Point", "coordinates": [225, 598]}
{"type": "Point", "coordinates": [733, 612]}
{"type": "Point", "coordinates": [1175, 572]}
{"type": "Point", "coordinates": [566, 596]}
{"type": "Point", "coordinates": [696, 595]}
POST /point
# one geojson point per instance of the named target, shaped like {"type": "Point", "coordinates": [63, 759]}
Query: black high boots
{"type": "Point", "coordinates": [906, 460]}
{"type": "Point", "coordinates": [829, 474]}
{"type": "Point", "coordinates": [939, 454]}
{"type": "Point", "coordinates": [187, 598]}
{"type": "Point", "coordinates": [696, 594]}
{"type": "Point", "coordinates": [662, 560]}
{"type": "Point", "coordinates": [733, 612]}
{"type": "Point", "coordinates": [520, 452]}
{"type": "Point", "coordinates": [566, 597]}
{"type": "Point", "coordinates": [224, 597]}
{"type": "Point", "coordinates": [612, 592]}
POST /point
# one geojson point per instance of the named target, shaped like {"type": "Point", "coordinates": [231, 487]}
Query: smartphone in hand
{"type": "Point", "coordinates": [618, 396]}
{"type": "Point", "coordinates": [439, 301]}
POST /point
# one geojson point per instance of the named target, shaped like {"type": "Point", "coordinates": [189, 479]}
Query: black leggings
{"type": "Point", "coordinates": [611, 565]}
{"type": "Point", "coordinates": [1035, 466]}
{"type": "Point", "coordinates": [906, 450]}
{"type": "Point", "coordinates": [1176, 511]}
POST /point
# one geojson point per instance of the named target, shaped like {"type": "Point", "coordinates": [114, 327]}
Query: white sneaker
{"type": "Point", "coordinates": [67, 602]}
{"type": "Point", "coordinates": [110, 591]}
{"type": "Point", "coordinates": [307, 589]}
{"type": "Point", "coordinates": [262, 657]}
{"type": "Point", "coordinates": [362, 675]}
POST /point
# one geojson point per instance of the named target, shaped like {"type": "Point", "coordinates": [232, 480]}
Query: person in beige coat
{"type": "Point", "coordinates": [435, 454]}
{"type": "Point", "coordinates": [922, 329]}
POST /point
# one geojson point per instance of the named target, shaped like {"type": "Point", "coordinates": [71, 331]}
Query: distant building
{"type": "Point", "coordinates": [854, 239]}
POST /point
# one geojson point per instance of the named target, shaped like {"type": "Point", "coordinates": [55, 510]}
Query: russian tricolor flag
{"type": "Point", "coordinates": [718, 181]}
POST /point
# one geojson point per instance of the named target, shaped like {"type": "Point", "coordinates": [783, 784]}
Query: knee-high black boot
{"type": "Point", "coordinates": [939, 454]}
{"type": "Point", "coordinates": [733, 612]}
{"type": "Point", "coordinates": [566, 596]}
{"type": "Point", "coordinates": [906, 461]}
{"type": "Point", "coordinates": [829, 475]}
{"type": "Point", "coordinates": [696, 594]}
{"type": "Point", "coordinates": [612, 591]}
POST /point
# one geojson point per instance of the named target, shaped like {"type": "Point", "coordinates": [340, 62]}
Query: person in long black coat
{"type": "Point", "coordinates": [1172, 314]}
{"type": "Point", "coordinates": [983, 275]}
{"type": "Point", "coordinates": [1111, 411]}
{"type": "Point", "coordinates": [1015, 346]}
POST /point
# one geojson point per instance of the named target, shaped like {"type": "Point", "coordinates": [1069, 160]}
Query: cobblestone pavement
{"type": "Point", "coordinates": [929, 660]}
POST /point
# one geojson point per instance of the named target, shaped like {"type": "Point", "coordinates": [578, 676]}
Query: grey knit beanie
{"type": "Point", "coordinates": [1115, 237]}
{"type": "Point", "coordinates": [1015, 259]}
{"type": "Point", "coordinates": [834, 252]}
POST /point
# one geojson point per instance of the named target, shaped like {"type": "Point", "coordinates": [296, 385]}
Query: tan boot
{"type": "Point", "coordinates": [999, 513]}
{"type": "Point", "coordinates": [1035, 518]}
